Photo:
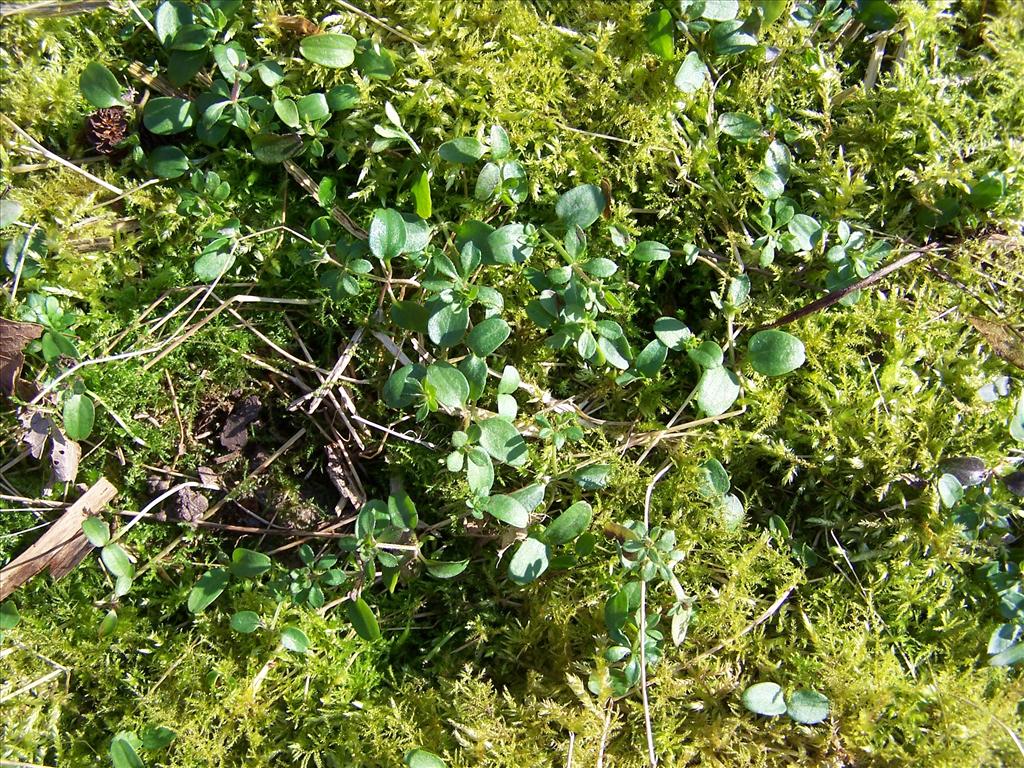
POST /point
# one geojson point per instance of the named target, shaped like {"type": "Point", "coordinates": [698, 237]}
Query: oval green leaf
{"type": "Point", "coordinates": [168, 162]}
{"type": "Point", "coordinates": [248, 564]}
{"type": "Point", "coordinates": [570, 524]}
{"type": "Point", "coordinates": [245, 622]}
{"type": "Point", "coordinates": [329, 49]}
{"type": "Point", "coordinates": [717, 390]}
{"type": "Point", "coordinates": [363, 620]}
{"type": "Point", "coordinates": [529, 561]}
{"type": "Point", "coordinates": [508, 510]}
{"type": "Point", "coordinates": [166, 115]}
{"type": "Point", "coordinates": [774, 352]}
{"type": "Point", "coordinates": [502, 441]}
{"type": "Point", "coordinates": [450, 387]}
{"type": "Point", "coordinates": [117, 561]}
{"type": "Point", "coordinates": [96, 531]}
{"type": "Point", "coordinates": [581, 206]}
{"type": "Point", "coordinates": [421, 758]}
{"type": "Point", "coordinates": [488, 335]}
{"type": "Point", "coordinates": [99, 86]}
{"type": "Point", "coordinates": [207, 589]}
{"type": "Point", "coordinates": [79, 415]}
{"type": "Point", "coordinates": [464, 150]}
{"type": "Point", "coordinates": [807, 707]}
{"type": "Point", "coordinates": [765, 699]}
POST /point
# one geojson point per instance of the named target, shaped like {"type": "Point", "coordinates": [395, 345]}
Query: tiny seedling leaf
{"type": "Point", "coordinates": [807, 707]}
{"type": "Point", "coordinates": [363, 620]}
{"type": "Point", "coordinates": [774, 352]}
{"type": "Point", "coordinates": [421, 758]}
{"type": "Point", "coordinates": [96, 531]}
{"type": "Point", "coordinates": [569, 525]}
{"type": "Point", "coordinates": [245, 622]}
{"type": "Point", "coordinates": [79, 415]}
{"type": "Point", "coordinates": [294, 639]}
{"type": "Point", "coordinates": [99, 86]}
{"type": "Point", "coordinates": [329, 49]}
{"type": "Point", "coordinates": [207, 589]}
{"type": "Point", "coordinates": [529, 561]}
{"type": "Point", "coordinates": [764, 699]}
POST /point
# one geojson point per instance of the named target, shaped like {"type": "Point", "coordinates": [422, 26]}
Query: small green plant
{"type": "Point", "coordinates": [804, 706]}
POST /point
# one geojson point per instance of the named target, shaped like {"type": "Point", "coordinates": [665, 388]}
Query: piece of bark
{"type": "Point", "coordinates": [1004, 341]}
{"type": "Point", "coordinates": [63, 546]}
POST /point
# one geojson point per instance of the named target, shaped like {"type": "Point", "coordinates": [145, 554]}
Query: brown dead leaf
{"type": "Point", "coordinates": [14, 337]}
{"type": "Point", "coordinates": [297, 24]}
{"type": "Point", "coordinates": [190, 505]}
{"type": "Point", "coordinates": [235, 433]}
{"type": "Point", "coordinates": [64, 455]}
{"type": "Point", "coordinates": [1004, 341]}
{"type": "Point", "coordinates": [37, 430]}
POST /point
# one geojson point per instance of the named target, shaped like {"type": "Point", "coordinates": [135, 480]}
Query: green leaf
{"type": "Point", "coordinates": [166, 115]}
{"type": "Point", "coordinates": [464, 150]}
{"type": "Point", "coordinates": [182, 66]}
{"type": "Point", "coordinates": [373, 61]}
{"type": "Point", "coordinates": [421, 195]}
{"type": "Point", "coordinates": [343, 97]}
{"type": "Point", "coordinates": [1003, 638]}
{"type": "Point", "coordinates": [168, 162]}
{"type": "Point", "coordinates": [807, 707]}
{"type": "Point", "coordinates": [117, 561]}
{"type": "Point", "coordinates": [79, 415]}
{"type": "Point", "coordinates": [210, 266]}
{"type": "Point", "coordinates": [99, 86]}
{"type": "Point", "coordinates": [651, 250]}
{"type": "Point", "coordinates": [616, 611]}
{"type": "Point", "coordinates": [730, 512]}
{"type": "Point", "coordinates": [739, 126]}
{"type": "Point", "coordinates": [329, 49]}
{"type": "Point", "coordinates": [774, 352]}
{"type": "Point", "coordinates": [288, 112]}
{"type": "Point", "coordinates": [502, 441]}
{"type": "Point", "coordinates": [294, 639]}
{"type": "Point", "coordinates": [1010, 656]}
{"type": "Point", "coordinates": [207, 589]}
{"type": "Point", "coordinates": [530, 496]}
{"type": "Point", "coordinates": [765, 699]}
{"type": "Point", "coordinates": [123, 754]}
{"type": "Point", "coordinates": [313, 107]}
{"type": "Point", "coordinates": [651, 358]}
{"type": "Point", "coordinates": [508, 510]}
{"type": "Point", "coordinates": [245, 622]}
{"type": "Point", "coordinates": [248, 564]}
{"type": "Point", "coordinates": [9, 616]}
{"type": "Point", "coordinates": [805, 230]}
{"type": "Point", "coordinates": [96, 531]}
{"type": "Point", "coordinates": [707, 354]}
{"type": "Point", "coordinates": [569, 525]}
{"type": "Point", "coordinates": [109, 624]}
{"type": "Point", "coordinates": [778, 159]}
{"type": "Point", "coordinates": [421, 758]}
{"type": "Point", "coordinates": [692, 74]}
{"type": "Point", "coordinates": [509, 244]}
{"type": "Point", "coordinates": [447, 326]}
{"type": "Point", "coordinates": [730, 38]}
{"type": "Point", "coordinates": [450, 387]}
{"type": "Point", "coordinates": [1017, 421]}
{"type": "Point", "coordinates": [768, 184]}
{"type": "Point", "coordinates": [169, 18]}
{"type": "Point", "coordinates": [271, 148]}
{"type": "Point", "coordinates": [192, 38]}
{"type": "Point", "coordinates": [387, 234]}
{"type": "Point", "coordinates": [479, 471]}
{"type": "Point", "coordinates": [659, 29]}
{"type": "Point", "coordinates": [403, 386]}
{"type": "Point", "coordinates": [509, 381]}
{"type": "Point", "coordinates": [593, 477]}
{"type": "Point", "coordinates": [158, 737]}
{"type": "Point", "coordinates": [672, 333]}
{"type": "Point", "coordinates": [599, 267]}
{"type": "Point", "coordinates": [988, 190]}
{"type": "Point", "coordinates": [581, 206]}
{"type": "Point", "coordinates": [501, 146]}
{"type": "Point", "coordinates": [442, 569]}
{"type": "Point", "coordinates": [529, 561]}
{"type": "Point", "coordinates": [717, 390]}
{"type": "Point", "coordinates": [720, 10]}
{"type": "Point", "coordinates": [363, 620]}
{"type": "Point", "coordinates": [876, 15]}
{"type": "Point", "coordinates": [10, 210]}
{"type": "Point", "coordinates": [950, 490]}
{"type": "Point", "coordinates": [488, 335]}
{"type": "Point", "coordinates": [712, 479]}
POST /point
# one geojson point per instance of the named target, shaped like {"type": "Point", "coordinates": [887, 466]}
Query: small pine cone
{"type": "Point", "coordinates": [106, 128]}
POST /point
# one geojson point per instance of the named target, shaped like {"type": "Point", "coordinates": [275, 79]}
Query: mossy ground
{"type": "Point", "coordinates": [890, 622]}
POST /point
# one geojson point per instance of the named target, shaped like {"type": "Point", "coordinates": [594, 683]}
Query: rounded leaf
{"type": "Point", "coordinates": [717, 390]}
{"type": "Point", "coordinates": [765, 699]}
{"type": "Point", "coordinates": [99, 86]}
{"type": "Point", "coordinates": [581, 206]}
{"type": "Point", "coordinates": [508, 510]}
{"type": "Point", "coordinates": [210, 266]}
{"type": "Point", "coordinates": [363, 620]}
{"type": "Point", "coordinates": [421, 758]}
{"type": "Point", "coordinates": [329, 49]}
{"type": "Point", "coordinates": [464, 150]}
{"type": "Point", "coordinates": [79, 415]}
{"type": "Point", "coordinates": [403, 386]}
{"type": "Point", "coordinates": [529, 561]}
{"type": "Point", "coordinates": [248, 564]}
{"type": "Point", "coordinates": [807, 707]}
{"type": "Point", "coordinates": [447, 325]}
{"type": "Point", "coordinates": [387, 234]}
{"type": "Point", "coordinates": [96, 531]}
{"type": "Point", "coordinates": [692, 73]}
{"type": "Point", "coordinates": [271, 148]}
{"type": "Point", "coordinates": [168, 162]}
{"type": "Point", "coordinates": [294, 639]}
{"type": "Point", "coordinates": [441, 569]}
{"type": "Point", "coordinates": [117, 561]}
{"type": "Point", "coordinates": [570, 524]}
{"type": "Point", "coordinates": [651, 358]}
{"type": "Point", "coordinates": [651, 250]}
{"type": "Point", "coordinates": [9, 616]}
{"type": "Point", "coordinates": [488, 335]}
{"type": "Point", "coordinates": [207, 589]}
{"type": "Point", "coordinates": [450, 387]}
{"type": "Point", "coordinates": [774, 352]}
{"type": "Point", "coordinates": [671, 332]}
{"type": "Point", "coordinates": [245, 622]}
{"type": "Point", "coordinates": [502, 441]}
{"type": "Point", "coordinates": [167, 115]}
{"type": "Point", "coordinates": [739, 126]}
{"type": "Point", "coordinates": [712, 479]}
{"type": "Point", "coordinates": [950, 490]}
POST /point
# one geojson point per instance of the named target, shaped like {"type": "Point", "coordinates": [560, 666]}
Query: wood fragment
{"type": "Point", "coordinates": [1003, 339]}
{"type": "Point", "coordinates": [63, 546]}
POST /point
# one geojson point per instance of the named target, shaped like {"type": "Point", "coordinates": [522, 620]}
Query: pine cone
{"type": "Point", "coordinates": [106, 128]}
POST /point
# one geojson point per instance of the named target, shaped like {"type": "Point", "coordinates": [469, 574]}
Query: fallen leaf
{"type": "Point", "coordinates": [297, 24]}
{"type": "Point", "coordinates": [37, 430]}
{"type": "Point", "coordinates": [14, 337]}
{"type": "Point", "coordinates": [1004, 341]}
{"type": "Point", "coordinates": [235, 433]}
{"type": "Point", "coordinates": [64, 456]}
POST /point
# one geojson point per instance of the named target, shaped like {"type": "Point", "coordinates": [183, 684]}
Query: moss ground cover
{"type": "Point", "coordinates": [434, 342]}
